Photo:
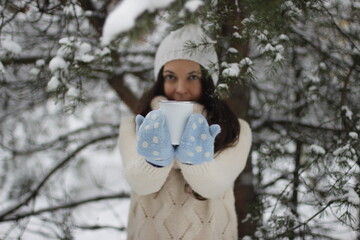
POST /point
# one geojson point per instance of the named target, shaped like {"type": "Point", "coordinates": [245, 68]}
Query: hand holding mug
{"type": "Point", "coordinates": [153, 139]}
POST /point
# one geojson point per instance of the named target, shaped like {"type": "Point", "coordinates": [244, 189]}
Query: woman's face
{"type": "Point", "coordinates": [182, 80]}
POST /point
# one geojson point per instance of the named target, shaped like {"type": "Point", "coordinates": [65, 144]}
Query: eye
{"type": "Point", "coordinates": [194, 77]}
{"type": "Point", "coordinates": [169, 77]}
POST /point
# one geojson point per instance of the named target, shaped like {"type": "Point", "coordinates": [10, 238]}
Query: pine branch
{"type": "Point", "coordinates": [350, 39]}
{"type": "Point", "coordinates": [267, 122]}
{"type": "Point", "coordinates": [23, 60]}
{"type": "Point", "coordinates": [64, 137]}
{"type": "Point", "coordinates": [100, 227]}
{"type": "Point", "coordinates": [311, 42]}
{"type": "Point", "coordinates": [315, 215]}
{"type": "Point", "coordinates": [124, 92]}
{"type": "Point", "coordinates": [56, 168]}
{"type": "Point", "coordinates": [283, 176]}
{"type": "Point", "coordinates": [96, 21]}
{"type": "Point", "coordinates": [19, 216]}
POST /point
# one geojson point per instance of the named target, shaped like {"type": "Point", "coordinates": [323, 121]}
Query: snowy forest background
{"type": "Point", "coordinates": [291, 68]}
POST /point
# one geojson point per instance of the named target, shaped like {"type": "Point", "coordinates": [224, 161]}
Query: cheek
{"type": "Point", "coordinates": [168, 89]}
{"type": "Point", "coordinates": [197, 91]}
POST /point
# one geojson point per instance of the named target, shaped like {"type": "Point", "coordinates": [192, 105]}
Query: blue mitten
{"type": "Point", "coordinates": [153, 139]}
{"type": "Point", "coordinates": [197, 142]}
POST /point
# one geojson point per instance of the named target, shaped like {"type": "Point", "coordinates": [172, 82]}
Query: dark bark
{"type": "Point", "coordinates": [123, 91]}
{"type": "Point", "coordinates": [116, 81]}
{"type": "Point", "coordinates": [245, 197]}
{"type": "Point", "coordinates": [294, 201]}
{"type": "Point", "coordinates": [97, 20]}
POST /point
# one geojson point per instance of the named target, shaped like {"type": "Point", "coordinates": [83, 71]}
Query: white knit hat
{"type": "Point", "coordinates": [176, 46]}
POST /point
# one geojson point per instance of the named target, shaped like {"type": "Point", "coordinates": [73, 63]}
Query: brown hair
{"type": "Point", "coordinates": [218, 111]}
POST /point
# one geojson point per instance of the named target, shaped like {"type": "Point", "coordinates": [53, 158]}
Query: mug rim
{"type": "Point", "coordinates": [176, 102]}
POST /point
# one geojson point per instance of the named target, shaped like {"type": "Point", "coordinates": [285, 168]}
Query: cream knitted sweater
{"type": "Point", "coordinates": [162, 207]}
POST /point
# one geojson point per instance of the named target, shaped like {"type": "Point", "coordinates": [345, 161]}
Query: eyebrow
{"type": "Point", "coordinates": [189, 73]}
{"type": "Point", "coordinates": [168, 71]}
{"type": "Point", "coordinates": [196, 72]}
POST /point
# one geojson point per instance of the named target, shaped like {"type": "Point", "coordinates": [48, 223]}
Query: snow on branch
{"type": "Point", "coordinates": [31, 195]}
{"type": "Point", "coordinates": [68, 137]}
{"type": "Point", "coordinates": [18, 216]}
{"type": "Point", "coordinates": [124, 16]}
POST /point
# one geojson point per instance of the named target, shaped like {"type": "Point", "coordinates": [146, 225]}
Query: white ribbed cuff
{"type": "Point", "coordinates": [147, 168]}
{"type": "Point", "coordinates": [197, 169]}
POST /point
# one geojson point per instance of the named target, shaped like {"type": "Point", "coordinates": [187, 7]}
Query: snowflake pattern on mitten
{"type": "Point", "coordinates": [197, 142]}
{"type": "Point", "coordinates": [153, 139]}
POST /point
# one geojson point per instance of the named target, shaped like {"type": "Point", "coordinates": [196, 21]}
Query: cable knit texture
{"type": "Point", "coordinates": [162, 203]}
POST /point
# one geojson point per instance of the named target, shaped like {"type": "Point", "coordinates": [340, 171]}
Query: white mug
{"type": "Point", "coordinates": [176, 114]}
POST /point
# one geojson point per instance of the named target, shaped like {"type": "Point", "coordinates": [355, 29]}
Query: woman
{"type": "Point", "coordinates": [184, 192]}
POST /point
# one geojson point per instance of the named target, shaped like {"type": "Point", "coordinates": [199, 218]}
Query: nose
{"type": "Point", "coordinates": [181, 87]}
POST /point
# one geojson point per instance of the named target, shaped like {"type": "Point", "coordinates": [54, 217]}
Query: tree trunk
{"type": "Point", "coordinates": [294, 201]}
{"type": "Point", "coordinates": [124, 92]}
{"type": "Point", "coordinates": [245, 197]}
{"type": "Point", "coordinates": [358, 211]}
{"type": "Point", "coordinates": [116, 81]}
{"type": "Point", "coordinates": [239, 101]}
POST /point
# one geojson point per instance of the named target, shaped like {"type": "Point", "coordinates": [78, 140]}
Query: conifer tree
{"type": "Point", "coordinates": [289, 67]}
